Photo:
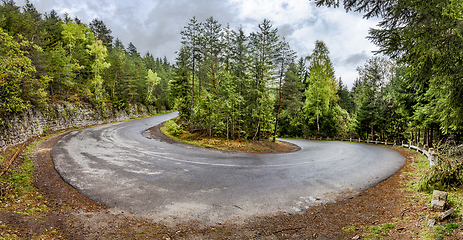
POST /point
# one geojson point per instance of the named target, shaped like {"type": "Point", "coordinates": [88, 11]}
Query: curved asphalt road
{"type": "Point", "coordinates": [115, 165]}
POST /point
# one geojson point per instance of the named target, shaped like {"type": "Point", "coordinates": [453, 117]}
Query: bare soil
{"type": "Point", "coordinates": [69, 215]}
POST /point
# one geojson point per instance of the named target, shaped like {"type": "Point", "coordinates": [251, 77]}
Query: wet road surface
{"type": "Point", "coordinates": [115, 165]}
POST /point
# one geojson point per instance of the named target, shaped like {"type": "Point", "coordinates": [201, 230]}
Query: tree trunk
{"type": "Point", "coordinates": [192, 91]}
{"type": "Point", "coordinates": [210, 126]}
{"type": "Point", "coordinates": [426, 132]}
{"type": "Point", "coordinates": [419, 136]}
{"type": "Point", "coordinates": [257, 131]}
{"type": "Point", "coordinates": [430, 137]}
{"type": "Point", "coordinates": [213, 77]}
{"type": "Point", "coordinates": [413, 135]}
{"type": "Point", "coordinates": [279, 105]}
{"type": "Point", "coordinates": [276, 127]}
{"type": "Point", "coordinates": [199, 99]}
{"type": "Point", "coordinates": [372, 132]}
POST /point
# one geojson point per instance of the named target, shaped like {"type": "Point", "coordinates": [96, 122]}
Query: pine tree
{"type": "Point", "coordinates": [190, 41]}
{"type": "Point", "coordinates": [373, 78]}
{"type": "Point", "coordinates": [180, 84]}
{"type": "Point", "coordinates": [132, 50]}
{"type": "Point", "coordinates": [263, 45]}
{"type": "Point", "coordinates": [291, 121]}
{"type": "Point", "coordinates": [285, 56]}
{"type": "Point", "coordinates": [101, 32]}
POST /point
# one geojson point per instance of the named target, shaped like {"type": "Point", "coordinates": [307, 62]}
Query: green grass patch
{"type": "Point", "coordinates": [16, 186]}
{"type": "Point", "coordinates": [455, 200]}
{"type": "Point", "coordinates": [19, 182]}
{"type": "Point", "coordinates": [445, 176]}
{"type": "Point", "coordinates": [349, 229]}
{"type": "Point", "coordinates": [8, 236]}
{"type": "Point", "coordinates": [33, 210]}
{"type": "Point", "coordinates": [442, 232]}
{"type": "Point", "coordinates": [378, 232]}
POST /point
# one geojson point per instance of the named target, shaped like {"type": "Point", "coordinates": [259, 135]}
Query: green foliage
{"type": "Point", "coordinates": [73, 34]}
{"type": "Point", "coordinates": [372, 96]}
{"type": "Point", "coordinates": [349, 229]}
{"type": "Point", "coordinates": [322, 86]}
{"type": "Point", "coordinates": [379, 232]}
{"type": "Point", "coordinates": [99, 52]}
{"type": "Point", "coordinates": [291, 121]}
{"type": "Point", "coordinates": [427, 37]}
{"type": "Point", "coordinates": [101, 32]}
{"type": "Point", "coordinates": [44, 57]}
{"type": "Point", "coordinates": [440, 232]}
{"type": "Point", "coordinates": [152, 81]}
{"type": "Point", "coordinates": [213, 87]}
{"type": "Point", "coordinates": [18, 86]}
{"type": "Point", "coordinates": [447, 174]}
{"type": "Point", "coordinates": [173, 128]}
{"type": "Point", "coordinates": [180, 85]}
{"type": "Point", "coordinates": [63, 70]}
{"type": "Point", "coordinates": [344, 124]}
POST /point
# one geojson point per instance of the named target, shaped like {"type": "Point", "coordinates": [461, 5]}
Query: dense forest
{"type": "Point", "coordinates": [47, 58]}
{"type": "Point", "coordinates": [248, 86]}
{"type": "Point", "coordinates": [252, 86]}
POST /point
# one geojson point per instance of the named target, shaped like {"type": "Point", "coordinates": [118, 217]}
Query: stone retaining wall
{"type": "Point", "coordinates": [19, 127]}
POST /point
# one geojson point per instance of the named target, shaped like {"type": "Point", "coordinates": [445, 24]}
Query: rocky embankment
{"type": "Point", "coordinates": [16, 128]}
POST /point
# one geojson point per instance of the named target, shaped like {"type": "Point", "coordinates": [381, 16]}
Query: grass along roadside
{"type": "Point", "coordinates": [20, 199]}
{"type": "Point", "coordinates": [450, 228]}
{"type": "Point", "coordinates": [417, 212]}
{"type": "Point", "coordinates": [18, 194]}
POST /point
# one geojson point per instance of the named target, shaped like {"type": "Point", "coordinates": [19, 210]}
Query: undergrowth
{"type": "Point", "coordinates": [173, 128]}
{"type": "Point", "coordinates": [421, 180]}
{"type": "Point", "coordinates": [18, 195]}
{"type": "Point", "coordinates": [17, 184]}
{"type": "Point", "coordinates": [446, 175]}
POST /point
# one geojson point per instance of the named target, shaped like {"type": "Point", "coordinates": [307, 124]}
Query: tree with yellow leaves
{"type": "Point", "coordinates": [18, 87]}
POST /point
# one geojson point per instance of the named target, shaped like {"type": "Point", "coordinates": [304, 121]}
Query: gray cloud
{"type": "Point", "coordinates": [155, 26]}
{"type": "Point", "coordinates": [356, 59]}
{"type": "Point", "coordinates": [284, 5]}
{"type": "Point", "coordinates": [286, 30]}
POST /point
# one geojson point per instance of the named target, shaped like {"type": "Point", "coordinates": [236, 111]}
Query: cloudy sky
{"type": "Point", "coordinates": [155, 25]}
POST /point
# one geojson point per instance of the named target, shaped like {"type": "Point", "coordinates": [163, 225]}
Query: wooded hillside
{"type": "Point", "coordinates": [249, 86]}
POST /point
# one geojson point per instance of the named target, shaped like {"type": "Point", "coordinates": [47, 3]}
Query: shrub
{"type": "Point", "coordinates": [173, 128]}
{"type": "Point", "coordinates": [448, 173]}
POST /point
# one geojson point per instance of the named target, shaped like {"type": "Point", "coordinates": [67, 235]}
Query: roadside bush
{"type": "Point", "coordinates": [447, 174]}
{"type": "Point", "coordinates": [173, 128]}
{"type": "Point", "coordinates": [120, 103]}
